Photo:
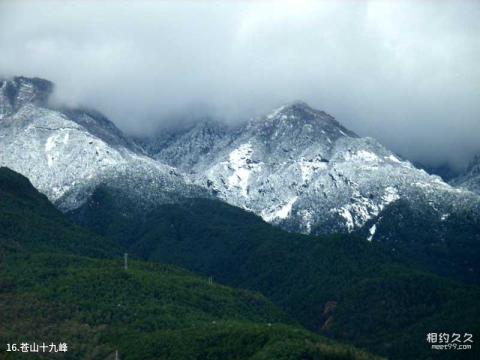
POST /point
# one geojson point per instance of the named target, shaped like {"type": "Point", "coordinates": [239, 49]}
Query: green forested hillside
{"type": "Point", "coordinates": [29, 222]}
{"type": "Point", "coordinates": [61, 283]}
{"type": "Point", "coordinates": [147, 312]}
{"type": "Point", "coordinates": [448, 246]}
{"type": "Point", "coordinates": [341, 286]}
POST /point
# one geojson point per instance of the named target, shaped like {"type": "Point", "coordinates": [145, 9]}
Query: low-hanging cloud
{"type": "Point", "coordinates": [403, 72]}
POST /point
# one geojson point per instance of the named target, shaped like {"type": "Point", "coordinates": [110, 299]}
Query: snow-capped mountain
{"type": "Point", "coordinates": [296, 167]}
{"type": "Point", "coordinates": [299, 168]}
{"type": "Point", "coordinates": [67, 153]}
{"type": "Point", "coordinates": [471, 178]}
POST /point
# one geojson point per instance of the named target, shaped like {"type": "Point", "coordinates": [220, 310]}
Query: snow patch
{"type": "Point", "coordinates": [362, 155]}
{"type": "Point", "coordinates": [279, 213]}
{"type": "Point", "coordinates": [362, 209]}
{"type": "Point", "coordinates": [347, 215]}
{"type": "Point", "coordinates": [394, 159]}
{"type": "Point", "coordinates": [390, 195]}
{"type": "Point", "coordinates": [307, 219]}
{"type": "Point", "coordinates": [50, 144]}
{"type": "Point", "coordinates": [366, 155]}
{"type": "Point", "coordinates": [286, 209]}
{"type": "Point", "coordinates": [242, 167]}
{"type": "Point", "coordinates": [372, 231]}
{"type": "Point", "coordinates": [66, 138]}
{"type": "Point", "coordinates": [275, 112]}
{"type": "Point", "coordinates": [309, 167]}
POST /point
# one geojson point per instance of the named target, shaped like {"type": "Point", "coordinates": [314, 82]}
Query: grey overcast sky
{"type": "Point", "coordinates": [404, 72]}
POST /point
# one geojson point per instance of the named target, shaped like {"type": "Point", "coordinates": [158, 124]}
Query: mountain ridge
{"type": "Point", "coordinates": [299, 168]}
{"type": "Point", "coordinates": [66, 153]}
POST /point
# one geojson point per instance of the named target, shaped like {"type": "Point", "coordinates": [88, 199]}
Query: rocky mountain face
{"type": "Point", "coordinates": [68, 153]}
{"type": "Point", "coordinates": [471, 178]}
{"type": "Point", "coordinates": [299, 168]}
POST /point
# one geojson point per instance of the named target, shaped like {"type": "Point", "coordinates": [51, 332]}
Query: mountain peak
{"type": "Point", "coordinates": [298, 114]}
{"type": "Point", "coordinates": [298, 104]}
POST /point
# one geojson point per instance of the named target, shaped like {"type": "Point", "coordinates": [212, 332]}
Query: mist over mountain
{"type": "Point", "coordinates": [402, 72]}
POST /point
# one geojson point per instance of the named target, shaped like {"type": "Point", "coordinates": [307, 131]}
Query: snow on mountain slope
{"type": "Point", "coordinates": [66, 154]}
{"type": "Point", "coordinates": [296, 167]}
{"type": "Point", "coordinates": [301, 169]}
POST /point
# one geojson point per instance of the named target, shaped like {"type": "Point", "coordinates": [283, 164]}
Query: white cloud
{"type": "Point", "coordinates": [403, 72]}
